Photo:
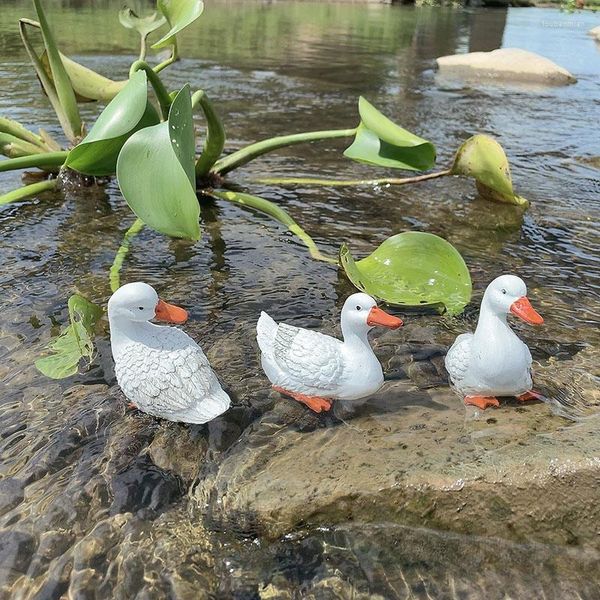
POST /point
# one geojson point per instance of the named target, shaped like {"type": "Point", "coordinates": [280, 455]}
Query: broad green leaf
{"type": "Point", "coordinates": [143, 25]}
{"type": "Point", "coordinates": [483, 158]}
{"type": "Point", "coordinates": [61, 81]}
{"type": "Point", "coordinates": [88, 85]}
{"type": "Point", "coordinates": [412, 269]}
{"type": "Point", "coordinates": [155, 170]}
{"type": "Point", "coordinates": [128, 112]}
{"type": "Point", "coordinates": [381, 142]}
{"type": "Point", "coordinates": [74, 342]}
{"type": "Point", "coordinates": [179, 14]}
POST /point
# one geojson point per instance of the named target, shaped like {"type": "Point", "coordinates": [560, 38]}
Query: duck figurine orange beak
{"type": "Point", "coordinates": [380, 317]}
{"type": "Point", "coordinates": [169, 313]}
{"type": "Point", "coordinates": [522, 308]}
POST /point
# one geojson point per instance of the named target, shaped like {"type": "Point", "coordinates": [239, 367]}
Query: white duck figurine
{"type": "Point", "coordinates": [161, 370]}
{"type": "Point", "coordinates": [493, 361]}
{"type": "Point", "coordinates": [314, 368]}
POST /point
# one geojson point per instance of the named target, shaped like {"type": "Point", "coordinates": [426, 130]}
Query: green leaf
{"type": "Point", "coordinates": [483, 158]}
{"type": "Point", "coordinates": [155, 170]}
{"type": "Point", "coordinates": [179, 14]}
{"type": "Point", "coordinates": [412, 269]}
{"type": "Point", "coordinates": [381, 142]}
{"type": "Point", "coordinates": [128, 112]}
{"type": "Point", "coordinates": [143, 25]}
{"type": "Point", "coordinates": [74, 342]}
{"type": "Point", "coordinates": [62, 83]}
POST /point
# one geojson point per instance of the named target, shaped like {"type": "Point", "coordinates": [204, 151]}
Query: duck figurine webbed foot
{"type": "Point", "coordinates": [161, 370]}
{"type": "Point", "coordinates": [316, 369]}
{"type": "Point", "coordinates": [493, 361]}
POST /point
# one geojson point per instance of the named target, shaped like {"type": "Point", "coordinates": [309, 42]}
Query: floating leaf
{"type": "Point", "coordinates": [483, 158]}
{"type": "Point", "coordinates": [155, 170]}
{"type": "Point", "coordinates": [74, 342]}
{"type": "Point", "coordinates": [412, 269]}
{"type": "Point", "coordinates": [381, 142]}
{"type": "Point", "coordinates": [128, 112]}
{"type": "Point", "coordinates": [143, 25]}
{"type": "Point", "coordinates": [179, 14]}
{"type": "Point", "coordinates": [88, 85]}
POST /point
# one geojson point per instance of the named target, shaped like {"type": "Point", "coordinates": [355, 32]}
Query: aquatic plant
{"type": "Point", "coordinates": [152, 152]}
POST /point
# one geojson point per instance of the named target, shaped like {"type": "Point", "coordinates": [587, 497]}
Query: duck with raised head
{"type": "Point", "coordinates": [493, 361]}
{"type": "Point", "coordinates": [161, 370]}
{"type": "Point", "coordinates": [314, 368]}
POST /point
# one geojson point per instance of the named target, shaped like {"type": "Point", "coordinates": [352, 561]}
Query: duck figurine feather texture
{"type": "Point", "coordinates": [161, 370]}
{"type": "Point", "coordinates": [493, 361]}
{"type": "Point", "coordinates": [314, 368]}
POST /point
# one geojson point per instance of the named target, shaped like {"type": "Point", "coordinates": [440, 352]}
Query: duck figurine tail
{"type": "Point", "coordinates": [314, 368]}
{"type": "Point", "coordinates": [493, 361]}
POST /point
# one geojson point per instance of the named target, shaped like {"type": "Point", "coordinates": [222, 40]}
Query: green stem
{"type": "Point", "coordinates": [47, 159]}
{"type": "Point", "coordinates": [245, 155]}
{"type": "Point", "coordinates": [14, 128]}
{"type": "Point", "coordinates": [343, 182]}
{"type": "Point", "coordinates": [28, 191]}
{"type": "Point", "coordinates": [162, 95]}
{"type": "Point", "coordinates": [215, 137]}
{"type": "Point", "coordinates": [143, 49]}
{"type": "Point", "coordinates": [114, 276]}
{"type": "Point", "coordinates": [173, 58]}
{"type": "Point", "coordinates": [271, 209]}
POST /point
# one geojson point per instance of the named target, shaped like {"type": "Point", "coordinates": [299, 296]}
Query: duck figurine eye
{"type": "Point", "coordinates": [503, 291]}
{"type": "Point", "coordinates": [141, 307]}
{"type": "Point", "coordinates": [359, 307]}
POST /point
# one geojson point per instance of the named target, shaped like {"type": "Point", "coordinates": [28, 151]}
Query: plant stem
{"type": "Point", "coordinates": [343, 182]}
{"type": "Point", "coordinates": [14, 128]}
{"type": "Point", "coordinates": [245, 155]}
{"type": "Point", "coordinates": [271, 209]}
{"type": "Point", "coordinates": [114, 276]}
{"type": "Point", "coordinates": [215, 138]}
{"type": "Point", "coordinates": [28, 191]}
{"type": "Point", "coordinates": [162, 95]}
{"type": "Point", "coordinates": [143, 50]}
{"type": "Point", "coordinates": [47, 159]}
{"type": "Point", "coordinates": [173, 58]}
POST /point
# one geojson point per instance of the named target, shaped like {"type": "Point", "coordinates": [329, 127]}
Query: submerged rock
{"type": "Point", "coordinates": [505, 64]}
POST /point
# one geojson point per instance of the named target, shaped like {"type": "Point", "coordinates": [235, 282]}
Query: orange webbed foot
{"type": "Point", "coordinates": [482, 402]}
{"type": "Point", "coordinates": [315, 403]}
{"type": "Point", "coordinates": [530, 395]}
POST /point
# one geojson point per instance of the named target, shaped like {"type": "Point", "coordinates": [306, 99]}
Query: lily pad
{"type": "Point", "coordinates": [381, 142]}
{"type": "Point", "coordinates": [483, 158]}
{"type": "Point", "coordinates": [155, 170]}
{"type": "Point", "coordinates": [128, 112]}
{"type": "Point", "coordinates": [412, 269]}
{"type": "Point", "coordinates": [179, 14]}
{"type": "Point", "coordinates": [74, 342]}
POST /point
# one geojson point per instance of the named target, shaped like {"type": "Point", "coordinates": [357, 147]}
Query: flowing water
{"type": "Point", "coordinates": [97, 501]}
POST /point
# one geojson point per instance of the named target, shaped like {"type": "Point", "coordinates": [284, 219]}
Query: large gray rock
{"type": "Point", "coordinates": [505, 64]}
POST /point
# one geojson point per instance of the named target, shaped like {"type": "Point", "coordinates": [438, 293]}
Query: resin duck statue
{"type": "Point", "coordinates": [493, 361]}
{"type": "Point", "coordinates": [161, 370]}
{"type": "Point", "coordinates": [314, 368]}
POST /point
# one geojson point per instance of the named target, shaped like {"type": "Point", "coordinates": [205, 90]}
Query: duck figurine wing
{"type": "Point", "coordinates": [171, 378]}
{"type": "Point", "coordinates": [305, 361]}
{"type": "Point", "coordinates": [458, 358]}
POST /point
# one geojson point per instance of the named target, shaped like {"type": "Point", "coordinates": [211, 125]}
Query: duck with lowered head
{"type": "Point", "coordinates": [161, 370]}
{"type": "Point", "coordinates": [314, 368]}
{"type": "Point", "coordinates": [493, 361]}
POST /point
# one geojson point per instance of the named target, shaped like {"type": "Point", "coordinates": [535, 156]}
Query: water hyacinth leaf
{"type": "Point", "coordinates": [381, 142]}
{"type": "Point", "coordinates": [483, 158]}
{"type": "Point", "coordinates": [155, 170]}
{"type": "Point", "coordinates": [179, 14]}
{"type": "Point", "coordinates": [412, 269]}
{"type": "Point", "coordinates": [74, 342]}
{"type": "Point", "coordinates": [143, 25]}
{"type": "Point", "coordinates": [88, 85]}
{"type": "Point", "coordinates": [128, 112]}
